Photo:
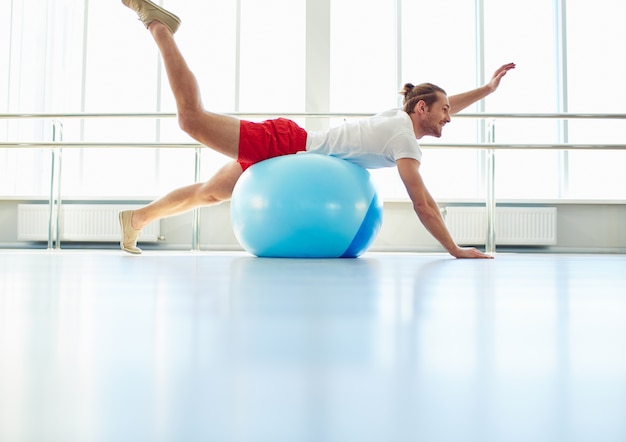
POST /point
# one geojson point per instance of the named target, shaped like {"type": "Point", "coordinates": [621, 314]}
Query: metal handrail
{"type": "Point", "coordinates": [480, 115]}
{"type": "Point", "coordinates": [496, 146]}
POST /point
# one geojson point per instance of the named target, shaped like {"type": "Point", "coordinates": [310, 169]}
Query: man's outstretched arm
{"type": "Point", "coordinates": [461, 101]}
{"type": "Point", "coordinates": [428, 212]}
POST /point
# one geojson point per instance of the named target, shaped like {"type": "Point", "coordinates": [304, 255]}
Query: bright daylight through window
{"type": "Point", "coordinates": [62, 58]}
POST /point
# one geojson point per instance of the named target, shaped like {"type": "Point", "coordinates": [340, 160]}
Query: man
{"type": "Point", "coordinates": [391, 139]}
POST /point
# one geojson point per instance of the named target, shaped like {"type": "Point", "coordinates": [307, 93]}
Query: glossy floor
{"type": "Point", "coordinates": [104, 346]}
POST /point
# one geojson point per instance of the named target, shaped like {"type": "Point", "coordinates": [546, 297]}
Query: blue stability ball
{"type": "Point", "coordinates": [306, 206]}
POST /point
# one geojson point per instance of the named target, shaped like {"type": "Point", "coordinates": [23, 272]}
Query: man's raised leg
{"type": "Point", "coordinates": [217, 131]}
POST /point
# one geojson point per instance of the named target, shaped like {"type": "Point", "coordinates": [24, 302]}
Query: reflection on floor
{"type": "Point", "coordinates": [104, 346]}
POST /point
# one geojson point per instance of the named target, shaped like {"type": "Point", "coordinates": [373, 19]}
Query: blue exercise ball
{"type": "Point", "coordinates": [305, 206]}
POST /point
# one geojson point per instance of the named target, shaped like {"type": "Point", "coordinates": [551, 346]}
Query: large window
{"type": "Point", "coordinates": [596, 73]}
{"type": "Point", "coordinates": [262, 56]}
{"type": "Point", "coordinates": [439, 46]}
{"type": "Point", "coordinates": [524, 32]}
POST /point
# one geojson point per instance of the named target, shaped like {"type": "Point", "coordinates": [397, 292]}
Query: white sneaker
{"type": "Point", "coordinates": [148, 12]}
{"type": "Point", "coordinates": [128, 243]}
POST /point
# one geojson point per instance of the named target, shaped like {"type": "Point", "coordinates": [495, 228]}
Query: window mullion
{"type": "Point", "coordinates": [317, 69]}
{"type": "Point", "coordinates": [562, 98]}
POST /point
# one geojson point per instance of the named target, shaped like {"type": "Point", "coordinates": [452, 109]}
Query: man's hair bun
{"type": "Point", "coordinates": [406, 89]}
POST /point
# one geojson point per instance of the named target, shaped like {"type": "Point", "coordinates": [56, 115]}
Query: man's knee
{"type": "Point", "coordinates": [208, 197]}
{"type": "Point", "coordinates": [188, 121]}
{"type": "Point", "coordinates": [211, 194]}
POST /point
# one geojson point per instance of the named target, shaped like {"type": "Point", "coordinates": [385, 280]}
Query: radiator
{"type": "Point", "coordinates": [78, 222]}
{"type": "Point", "coordinates": [520, 226]}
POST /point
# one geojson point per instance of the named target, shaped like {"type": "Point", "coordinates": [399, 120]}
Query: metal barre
{"type": "Point", "coordinates": [495, 146]}
{"type": "Point", "coordinates": [163, 115]}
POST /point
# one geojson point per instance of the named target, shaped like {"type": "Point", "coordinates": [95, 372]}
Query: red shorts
{"type": "Point", "coordinates": [268, 139]}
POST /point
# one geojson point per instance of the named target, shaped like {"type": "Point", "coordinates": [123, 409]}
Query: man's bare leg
{"type": "Point", "coordinates": [218, 189]}
{"type": "Point", "coordinates": [220, 132]}
{"type": "Point", "coordinates": [217, 131]}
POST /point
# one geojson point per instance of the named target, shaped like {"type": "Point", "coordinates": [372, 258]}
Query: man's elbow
{"type": "Point", "coordinates": [424, 210]}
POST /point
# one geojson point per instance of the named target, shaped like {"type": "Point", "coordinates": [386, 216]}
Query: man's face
{"type": "Point", "coordinates": [436, 116]}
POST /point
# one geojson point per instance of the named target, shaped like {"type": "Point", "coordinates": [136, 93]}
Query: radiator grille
{"type": "Point", "coordinates": [514, 225]}
{"type": "Point", "coordinates": [78, 222]}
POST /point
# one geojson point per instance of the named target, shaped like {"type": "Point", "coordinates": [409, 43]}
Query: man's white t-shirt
{"type": "Point", "coordinates": [372, 143]}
